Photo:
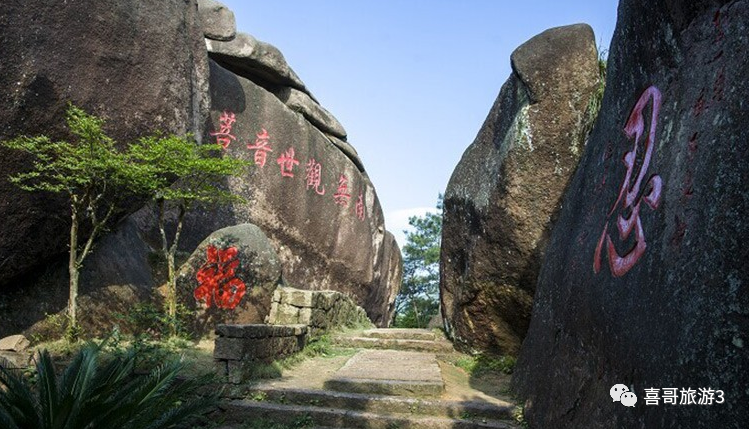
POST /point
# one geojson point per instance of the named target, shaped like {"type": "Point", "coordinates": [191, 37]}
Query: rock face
{"type": "Point", "coordinates": [318, 209]}
{"type": "Point", "coordinates": [145, 67]}
{"type": "Point", "coordinates": [140, 64]}
{"type": "Point", "coordinates": [645, 278]}
{"type": "Point", "coordinates": [231, 277]}
{"type": "Point", "coordinates": [504, 193]}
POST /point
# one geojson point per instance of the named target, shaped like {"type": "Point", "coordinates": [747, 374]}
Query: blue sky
{"type": "Point", "coordinates": [410, 80]}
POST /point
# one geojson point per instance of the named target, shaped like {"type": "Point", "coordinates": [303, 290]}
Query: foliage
{"type": "Point", "coordinates": [149, 322]}
{"type": "Point", "coordinates": [93, 175]}
{"type": "Point", "coordinates": [198, 170]}
{"type": "Point", "coordinates": [91, 393]}
{"type": "Point", "coordinates": [596, 100]}
{"type": "Point", "coordinates": [417, 300]}
{"type": "Point", "coordinates": [518, 414]}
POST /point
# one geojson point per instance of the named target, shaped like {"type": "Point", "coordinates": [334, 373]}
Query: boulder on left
{"type": "Point", "coordinates": [142, 65]}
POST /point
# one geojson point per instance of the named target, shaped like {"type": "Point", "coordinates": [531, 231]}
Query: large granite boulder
{"type": "Point", "coordinates": [142, 65]}
{"type": "Point", "coordinates": [645, 280]}
{"type": "Point", "coordinates": [320, 212]}
{"type": "Point", "coordinates": [504, 193]}
{"type": "Point", "coordinates": [230, 278]}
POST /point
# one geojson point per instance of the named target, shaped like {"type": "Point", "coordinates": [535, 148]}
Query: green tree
{"type": "Point", "coordinates": [418, 298]}
{"type": "Point", "coordinates": [90, 172]}
{"type": "Point", "coordinates": [92, 394]}
{"type": "Point", "coordinates": [198, 170]}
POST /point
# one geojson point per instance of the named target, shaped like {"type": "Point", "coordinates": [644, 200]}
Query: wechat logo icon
{"type": "Point", "coordinates": [621, 393]}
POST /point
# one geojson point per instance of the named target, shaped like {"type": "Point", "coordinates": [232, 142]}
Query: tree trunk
{"type": "Point", "coordinates": [169, 253]}
{"type": "Point", "coordinates": [73, 269]}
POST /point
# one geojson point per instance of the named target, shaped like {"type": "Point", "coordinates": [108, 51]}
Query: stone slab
{"type": "Point", "coordinates": [400, 333]}
{"type": "Point", "coordinates": [260, 330]}
{"type": "Point", "coordinates": [389, 372]}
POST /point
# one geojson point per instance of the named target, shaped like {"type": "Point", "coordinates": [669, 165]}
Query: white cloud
{"type": "Point", "coordinates": [397, 221]}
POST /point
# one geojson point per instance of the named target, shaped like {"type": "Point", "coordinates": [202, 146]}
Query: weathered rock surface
{"type": "Point", "coordinates": [301, 102]}
{"type": "Point", "coordinates": [503, 194]}
{"type": "Point", "coordinates": [319, 211]}
{"type": "Point", "coordinates": [217, 20]}
{"type": "Point", "coordinates": [252, 58]}
{"type": "Point", "coordinates": [230, 277]}
{"type": "Point", "coordinates": [645, 277]}
{"type": "Point", "coordinates": [96, 55]}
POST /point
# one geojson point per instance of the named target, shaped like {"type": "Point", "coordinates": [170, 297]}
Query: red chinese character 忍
{"type": "Point", "coordinates": [314, 175]}
{"type": "Point", "coordinates": [360, 207]}
{"type": "Point", "coordinates": [217, 283]}
{"type": "Point", "coordinates": [630, 196]}
{"type": "Point", "coordinates": [342, 196]}
{"type": "Point", "coordinates": [224, 136]}
{"type": "Point", "coordinates": [287, 163]}
{"type": "Point", "coordinates": [261, 147]}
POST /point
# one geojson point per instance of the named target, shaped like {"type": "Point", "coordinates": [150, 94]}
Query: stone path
{"type": "Point", "coordinates": [390, 372]}
{"type": "Point", "coordinates": [381, 386]}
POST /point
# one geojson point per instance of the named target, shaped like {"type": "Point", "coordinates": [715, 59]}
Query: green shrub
{"type": "Point", "coordinates": [94, 394]}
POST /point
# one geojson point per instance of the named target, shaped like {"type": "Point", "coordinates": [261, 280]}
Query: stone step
{"type": "Point", "coordinates": [243, 410]}
{"type": "Point", "coordinates": [400, 334]}
{"type": "Point", "coordinates": [389, 372]}
{"type": "Point", "coordinates": [386, 404]}
{"type": "Point", "coordinates": [394, 344]}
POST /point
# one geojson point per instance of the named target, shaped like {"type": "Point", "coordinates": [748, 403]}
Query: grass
{"type": "Point", "coordinates": [480, 364]}
{"type": "Point", "coordinates": [518, 414]}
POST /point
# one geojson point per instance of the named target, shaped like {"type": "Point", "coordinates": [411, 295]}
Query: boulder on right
{"type": "Point", "coordinates": [503, 195]}
{"type": "Point", "coordinates": [645, 283]}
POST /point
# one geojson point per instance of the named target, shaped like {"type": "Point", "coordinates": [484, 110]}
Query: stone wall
{"type": "Point", "coordinates": [238, 347]}
{"type": "Point", "coordinates": [319, 310]}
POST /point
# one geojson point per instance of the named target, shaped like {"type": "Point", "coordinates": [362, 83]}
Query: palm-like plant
{"type": "Point", "coordinates": [92, 394]}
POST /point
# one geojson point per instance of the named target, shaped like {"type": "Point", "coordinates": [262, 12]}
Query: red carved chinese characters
{"type": "Point", "coordinates": [217, 283]}
{"type": "Point", "coordinates": [314, 176]}
{"type": "Point", "coordinates": [360, 207]}
{"type": "Point", "coordinates": [630, 198]}
{"type": "Point", "coordinates": [261, 147]}
{"type": "Point", "coordinates": [224, 135]}
{"type": "Point", "coordinates": [342, 196]}
{"type": "Point", "coordinates": [287, 163]}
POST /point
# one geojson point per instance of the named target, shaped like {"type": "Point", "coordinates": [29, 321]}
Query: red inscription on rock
{"type": "Point", "coordinates": [217, 282]}
{"type": "Point", "coordinates": [341, 195]}
{"type": "Point", "coordinates": [224, 135]}
{"type": "Point", "coordinates": [314, 176]}
{"type": "Point", "coordinates": [360, 213]}
{"type": "Point", "coordinates": [627, 205]}
{"type": "Point", "coordinates": [287, 163]}
{"type": "Point", "coordinates": [261, 147]}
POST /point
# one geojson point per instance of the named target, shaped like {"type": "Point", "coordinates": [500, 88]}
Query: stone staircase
{"type": "Point", "coordinates": [393, 382]}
